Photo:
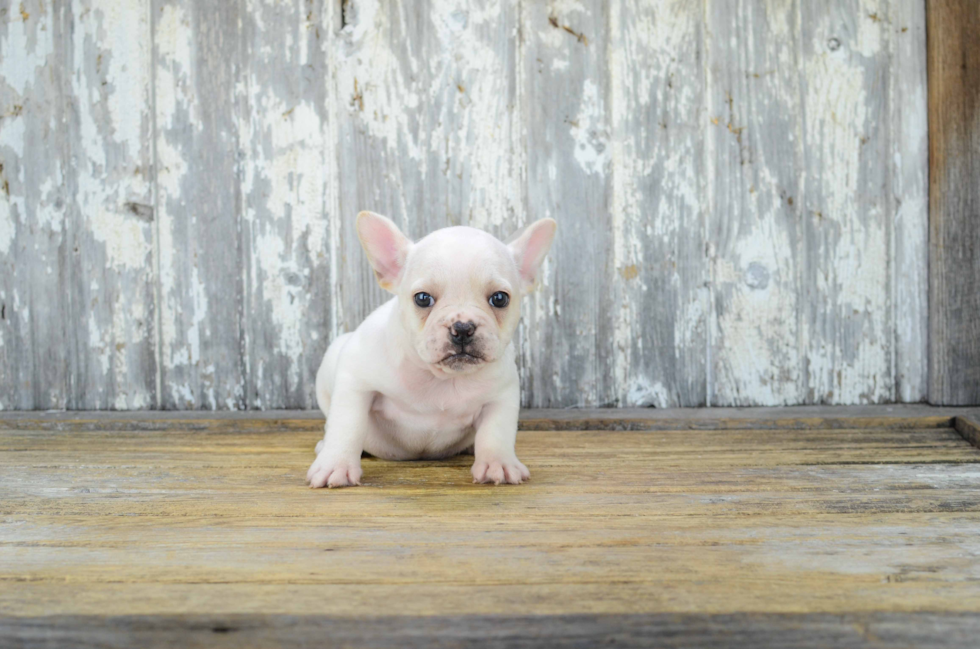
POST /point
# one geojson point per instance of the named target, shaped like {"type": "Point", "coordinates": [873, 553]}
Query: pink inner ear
{"type": "Point", "coordinates": [534, 253]}
{"type": "Point", "coordinates": [385, 249]}
{"type": "Point", "coordinates": [528, 267]}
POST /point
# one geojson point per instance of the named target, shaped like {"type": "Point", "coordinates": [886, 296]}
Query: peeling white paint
{"type": "Point", "coordinates": [128, 74]}
{"type": "Point", "coordinates": [871, 15]}
{"type": "Point", "coordinates": [26, 48]}
{"type": "Point", "coordinates": [383, 81]}
{"type": "Point", "coordinates": [12, 133]}
{"type": "Point", "coordinates": [175, 50]}
{"type": "Point", "coordinates": [910, 230]}
{"type": "Point", "coordinates": [643, 394]}
{"type": "Point", "coordinates": [183, 293]}
{"type": "Point", "coordinates": [126, 239]}
{"type": "Point", "coordinates": [172, 168]}
{"type": "Point", "coordinates": [444, 135]}
{"type": "Point", "coordinates": [49, 211]}
{"type": "Point", "coordinates": [8, 227]}
{"type": "Point", "coordinates": [590, 132]}
{"type": "Point", "coordinates": [295, 171]}
{"type": "Point", "coordinates": [656, 189]}
{"type": "Point", "coordinates": [757, 205]}
{"type": "Point", "coordinates": [780, 19]}
{"type": "Point", "coordinates": [21, 308]}
{"type": "Point", "coordinates": [96, 344]}
{"type": "Point", "coordinates": [110, 85]}
{"type": "Point", "coordinates": [199, 304]}
{"type": "Point", "coordinates": [27, 45]}
{"type": "Point", "coordinates": [483, 143]}
{"type": "Point", "coordinates": [290, 201]}
{"type": "Point", "coordinates": [288, 303]}
{"type": "Point", "coordinates": [852, 366]}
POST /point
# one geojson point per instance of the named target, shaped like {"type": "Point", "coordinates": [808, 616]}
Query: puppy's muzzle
{"type": "Point", "coordinates": [461, 333]}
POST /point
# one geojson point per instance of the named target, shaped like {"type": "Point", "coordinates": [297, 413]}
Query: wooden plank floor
{"type": "Point", "coordinates": [178, 532]}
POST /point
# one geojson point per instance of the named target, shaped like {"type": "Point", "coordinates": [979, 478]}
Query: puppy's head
{"type": "Point", "coordinates": [459, 289]}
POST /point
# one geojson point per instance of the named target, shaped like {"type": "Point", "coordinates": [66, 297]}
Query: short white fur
{"type": "Point", "coordinates": [414, 382]}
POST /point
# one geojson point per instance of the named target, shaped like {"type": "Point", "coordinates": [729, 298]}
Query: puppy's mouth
{"type": "Point", "coordinates": [461, 358]}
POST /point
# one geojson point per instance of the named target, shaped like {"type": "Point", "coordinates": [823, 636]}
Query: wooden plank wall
{"type": "Point", "coordinates": [741, 188]}
{"type": "Point", "coordinates": [954, 201]}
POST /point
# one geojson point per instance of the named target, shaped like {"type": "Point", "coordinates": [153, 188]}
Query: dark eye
{"type": "Point", "coordinates": [424, 300]}
{"type": "Point", "coordinates": [499, 300]}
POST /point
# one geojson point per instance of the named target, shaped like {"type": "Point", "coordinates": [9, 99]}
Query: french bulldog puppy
{"type": "Point", "coordinates": [431, 372]}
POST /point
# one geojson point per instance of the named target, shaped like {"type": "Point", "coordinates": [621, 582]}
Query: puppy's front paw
{"type": "Point", "coordinates": [497, 470]}
{"type": "Point", "coordinates": [327, 471]}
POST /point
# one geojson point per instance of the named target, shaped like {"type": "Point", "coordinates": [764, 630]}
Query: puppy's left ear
{"type": "Point", "coordinates": [530, 247]}
{"type": "Point", "coordinates": [386, 247]}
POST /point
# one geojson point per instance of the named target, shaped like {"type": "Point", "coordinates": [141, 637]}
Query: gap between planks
{"type": "Point", "coordinates": [622, 419]}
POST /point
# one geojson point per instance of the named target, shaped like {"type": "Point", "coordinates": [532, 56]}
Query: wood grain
{"type": "Point", "coordinates": [755, 168]}
{"type": "Point", "coordinates": [845, 207]}
{"type": "Point", "coordinates": [198, 82]}
{"type": "Point", "coordinates": [656, 72]}
{"type": "Point", "coordinates": [969, 429]}
{"type": "Point", "coordinates": [111, 212]}
{"type": "Point", "coordinates": [617, 419]}
{"type": "Point", "coordinates": [36, 314]}
{"type": "Point", "coordinates": [954, 201]}
{"type": "Point", "coordinates": [569, 339]}
{"type": "Point", "coordinates": [218, 523]}
{"type": "Point", "coordinates": [908, 201]}
{"type": "Point", "coordinates": [763, 631]}
{"type": "Point", "coordinates": [289, 194]}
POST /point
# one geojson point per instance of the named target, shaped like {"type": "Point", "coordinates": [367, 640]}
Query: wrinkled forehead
{"type": "Point", "coordinates": [459, 255]}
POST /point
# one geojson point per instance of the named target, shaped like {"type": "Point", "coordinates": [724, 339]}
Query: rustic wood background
{"type": "Point", "coordinates": [740, 185]}
{"type": "Point", "coordinates": [954, 201]}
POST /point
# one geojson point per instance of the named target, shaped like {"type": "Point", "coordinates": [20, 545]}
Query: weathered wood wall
{"type": "Point", "coordinates": [740, 185]}
{"type": "Point", "coordinates": [954, 201]}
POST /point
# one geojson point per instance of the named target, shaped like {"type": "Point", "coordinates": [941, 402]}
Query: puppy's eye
{"type": "Point", "coordinates": [499, 300]}
{"type": "Point", "coordinates": [424, 300]}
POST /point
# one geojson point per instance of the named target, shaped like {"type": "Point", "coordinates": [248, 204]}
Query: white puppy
{"type": "Point", "coordinates": [431, 372]}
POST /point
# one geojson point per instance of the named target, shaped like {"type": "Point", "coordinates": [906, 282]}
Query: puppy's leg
{"type": "Point", "coordinates": [496, 432]}
{"type": "Point", "coordinates": [322, 400]}
{"type": "Point", "coordinates": [338, 460]}
{"type": "Point", "coordinates": [325, 377]}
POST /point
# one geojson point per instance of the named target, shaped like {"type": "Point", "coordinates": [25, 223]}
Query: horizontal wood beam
{"type": "Point", "coordinates": [969, 429]}
{"type": "Point", "coordinates": [756, 630]}
{"type": "Point", "coordinates": [793, 417]}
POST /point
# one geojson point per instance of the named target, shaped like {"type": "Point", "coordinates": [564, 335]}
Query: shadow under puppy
{"type": "Point", "coordinates": [431, 372]}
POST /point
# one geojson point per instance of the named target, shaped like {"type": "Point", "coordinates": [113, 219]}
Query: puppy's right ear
{"type": "Point", "coordinates": [386, 247]}
{"type": "Point", "coordinates": [529, 248]}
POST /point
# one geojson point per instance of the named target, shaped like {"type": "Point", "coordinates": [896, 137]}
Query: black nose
{"type": "Point", "coordinates": [462, 332]}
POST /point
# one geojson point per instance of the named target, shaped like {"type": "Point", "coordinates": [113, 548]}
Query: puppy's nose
{"type": "Point", "coordinates": [462, 332]}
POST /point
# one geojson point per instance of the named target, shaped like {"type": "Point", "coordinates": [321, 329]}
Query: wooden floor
{"type": "Point", "coordinates": [765, 531]}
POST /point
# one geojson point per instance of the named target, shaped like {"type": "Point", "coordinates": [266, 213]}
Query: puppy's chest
{"type": "Point", "coordinates": [431, 405]}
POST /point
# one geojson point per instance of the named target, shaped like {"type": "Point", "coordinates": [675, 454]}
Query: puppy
{"type": "Point", "coordinates": [431, 372]}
